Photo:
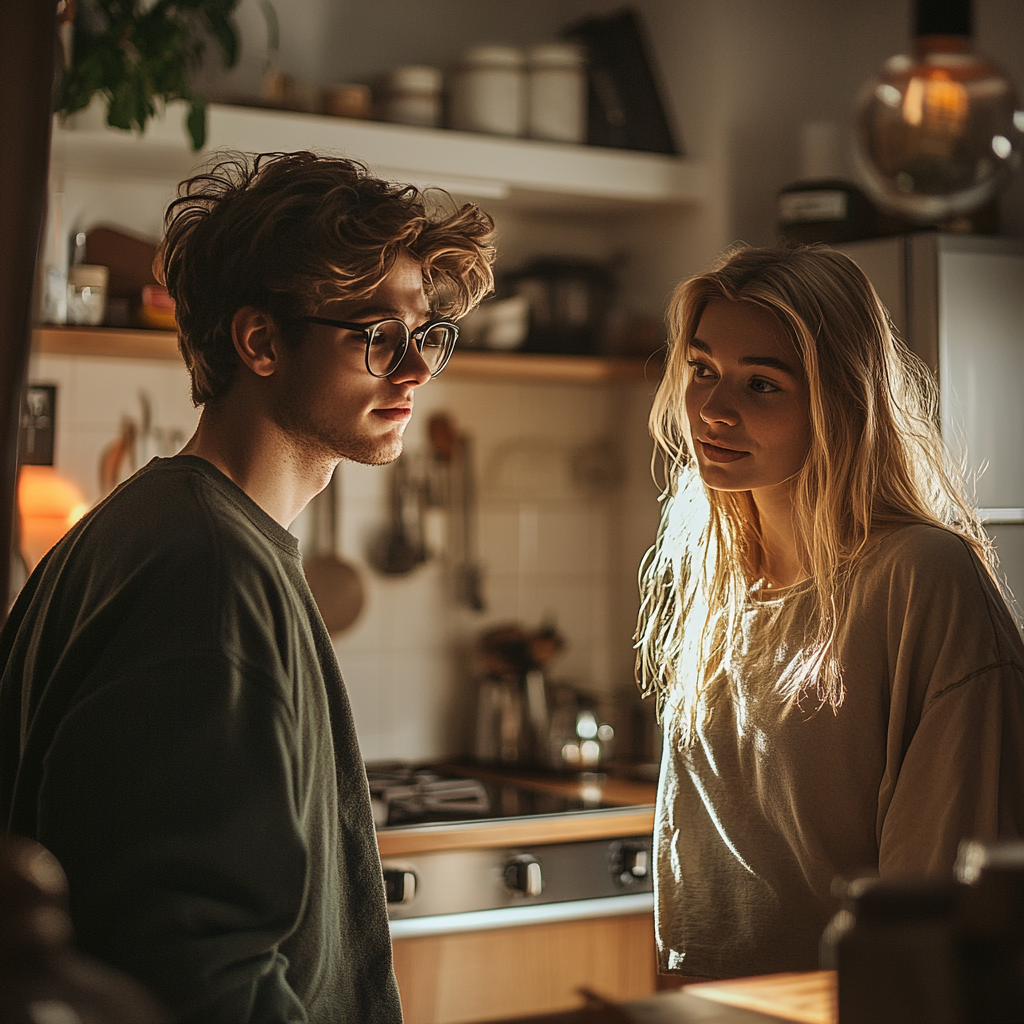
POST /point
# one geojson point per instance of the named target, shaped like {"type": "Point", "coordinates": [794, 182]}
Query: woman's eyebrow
{"type": "Point", "coordinates": [773, 362]}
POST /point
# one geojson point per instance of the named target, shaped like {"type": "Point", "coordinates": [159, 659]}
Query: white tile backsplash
{"type": "Point", "coordinates": [95, 394]}
{"type": "Point", "coordinates": [550, 546]}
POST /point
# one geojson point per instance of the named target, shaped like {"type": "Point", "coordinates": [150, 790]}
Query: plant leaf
{"type": "Point", "coordinates": [222, 28]}
{"type": "Point", "coordinates": [135, 54]}
{"type": "Point", "coordinates": [197, 122]}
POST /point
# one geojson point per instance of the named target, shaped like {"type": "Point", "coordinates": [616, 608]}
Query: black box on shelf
{"type": "Point", "coordinates": [625, 110]}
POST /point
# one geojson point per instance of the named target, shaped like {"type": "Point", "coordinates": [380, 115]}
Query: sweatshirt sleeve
{"type": "Point", "coordinates": [962, 776]}
{"type": "Point", "coordinates": [182, 839]}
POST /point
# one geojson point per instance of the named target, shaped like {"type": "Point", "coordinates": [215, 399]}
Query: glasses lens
{"type": "Point", "coordinates": [437, 345]}
{"type": "Point", "coordinates": [387, 347]}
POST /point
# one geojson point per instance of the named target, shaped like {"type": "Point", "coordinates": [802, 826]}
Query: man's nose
{"type": "Point", "coordinates": [412, 369]}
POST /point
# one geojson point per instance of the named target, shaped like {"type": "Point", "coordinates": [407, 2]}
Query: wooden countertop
{"type": "Point", "coordinates": [808, 997]}
{"type": "Point", "coordinates": [632, 815]}
{"type": "Point", "coordinates": [803, 998]}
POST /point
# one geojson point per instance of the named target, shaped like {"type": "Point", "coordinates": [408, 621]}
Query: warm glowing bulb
{"type": "Point", "coordinates": [937, 134]}
{"type": "Point", "coordinates": [49, 505]}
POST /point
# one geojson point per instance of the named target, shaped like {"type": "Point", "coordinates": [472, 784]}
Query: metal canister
{"type": "Point", "coordinates": [557, 92]}
{"type": "Point", "coordinates": [488, 91]}
{"type": "Point", "coordinates": [412, 95]}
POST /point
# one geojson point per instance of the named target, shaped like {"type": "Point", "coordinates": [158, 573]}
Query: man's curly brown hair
{"type": "Point", "coordinates": [286, 232]}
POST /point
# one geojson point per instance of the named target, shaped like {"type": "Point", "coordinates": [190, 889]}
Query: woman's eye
{"type": "Point", "coordinates": [763, 387]}
{"type": "Point", "coordinates": [700, 370]}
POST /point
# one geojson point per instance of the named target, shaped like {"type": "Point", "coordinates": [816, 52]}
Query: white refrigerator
{"type": "Point", "coordinates": [958, 302]}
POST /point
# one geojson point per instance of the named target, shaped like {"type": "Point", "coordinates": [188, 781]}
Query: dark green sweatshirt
{"type": "Point", "coordinates": [175, 729]}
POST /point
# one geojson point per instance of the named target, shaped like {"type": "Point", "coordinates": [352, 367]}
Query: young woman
{"type": "Point", "coordinates": [839, 677]}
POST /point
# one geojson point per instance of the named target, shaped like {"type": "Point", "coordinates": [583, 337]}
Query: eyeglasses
{"type": "Point", "coordinates": [387, 342]}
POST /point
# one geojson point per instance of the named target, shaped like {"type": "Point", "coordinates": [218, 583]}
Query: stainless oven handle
{"type": "Point", "coordinates": [511, 917]}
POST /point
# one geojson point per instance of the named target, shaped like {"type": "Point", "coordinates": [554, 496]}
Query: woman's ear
{"type": "Point", "coordinates": [257, 340]}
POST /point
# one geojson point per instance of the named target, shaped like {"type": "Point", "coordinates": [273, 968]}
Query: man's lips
{"type": "Point", "coordinates": [394, 413]}
{"type": "Point", "coordinates": [716, 453]}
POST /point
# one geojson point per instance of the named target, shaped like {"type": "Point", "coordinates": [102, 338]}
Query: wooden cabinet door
{"type": "Point", "coordinates": [506, 972]}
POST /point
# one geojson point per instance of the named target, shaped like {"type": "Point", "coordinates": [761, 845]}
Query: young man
{"type": "Point", "coordinates": [173, 722]}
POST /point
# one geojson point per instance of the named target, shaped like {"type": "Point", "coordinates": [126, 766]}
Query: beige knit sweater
{"type": "Point", "coordinates": [775, 799]}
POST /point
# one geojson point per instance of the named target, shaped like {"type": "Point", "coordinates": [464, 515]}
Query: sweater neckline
{"type": "Point", "coordinates": [262, 519]}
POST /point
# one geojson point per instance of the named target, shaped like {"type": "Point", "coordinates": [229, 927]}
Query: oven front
{"type": "Point", "coordinates": [505, 897]}
{"type": "Point", "coordinates": [444, 891]}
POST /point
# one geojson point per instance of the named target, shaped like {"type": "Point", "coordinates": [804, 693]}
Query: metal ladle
{"type": "Point", "coordinates": [334, 582]}
{"type": "Point", "coordinates": [396, 552]}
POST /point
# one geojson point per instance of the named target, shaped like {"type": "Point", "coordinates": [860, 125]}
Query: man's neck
{"type": "Point", "coordinates": [278, 473]}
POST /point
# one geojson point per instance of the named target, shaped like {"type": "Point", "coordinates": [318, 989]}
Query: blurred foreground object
{"type": "Point", "coordinates": [938, 132]}
{"type": "Point", "coordinates": [42, 980]}
{"type": "Point", "coordinates": [934, 951]}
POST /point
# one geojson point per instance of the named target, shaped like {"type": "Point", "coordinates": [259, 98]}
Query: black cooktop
{"type": "Point", "coordinates": [412, 795]}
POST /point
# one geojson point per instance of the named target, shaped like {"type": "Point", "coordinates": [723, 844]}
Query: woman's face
{"type": "Point", "coordinates": [747, 400]}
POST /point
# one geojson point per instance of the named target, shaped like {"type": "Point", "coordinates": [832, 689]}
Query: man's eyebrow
{"type": "Point", "coordinates": [371, 312]}
{"type": "Point", "coordinates": [773, 362]}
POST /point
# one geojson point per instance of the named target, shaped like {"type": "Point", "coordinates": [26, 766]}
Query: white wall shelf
{"type": "Point", "coordinates": [523, 173]}
{"type": "Point", "coordinates": [135, 343]}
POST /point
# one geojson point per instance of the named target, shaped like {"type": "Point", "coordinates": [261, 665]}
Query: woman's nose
{"type": "Point", "coordinates": [718, 408]}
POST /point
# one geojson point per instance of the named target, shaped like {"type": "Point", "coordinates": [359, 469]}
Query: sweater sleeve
{"type": "Point", "coordinates": [962, 776]}
{"type": "Point", "coordinates": [182, 840]}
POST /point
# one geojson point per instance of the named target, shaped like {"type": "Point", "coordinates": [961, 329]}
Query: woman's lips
{"type": "Point", "coordinates": [713, 453]}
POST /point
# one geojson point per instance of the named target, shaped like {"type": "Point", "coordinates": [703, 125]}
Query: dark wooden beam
{"type": "Point", "coordinates": [27, 39]}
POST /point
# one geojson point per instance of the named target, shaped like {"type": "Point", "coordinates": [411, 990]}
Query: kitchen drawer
{"type": "Point", "coordinates": [507, 972]}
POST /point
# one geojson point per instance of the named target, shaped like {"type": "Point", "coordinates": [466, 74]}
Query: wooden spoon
{"type": "Point", "coordinates": [454, 451]}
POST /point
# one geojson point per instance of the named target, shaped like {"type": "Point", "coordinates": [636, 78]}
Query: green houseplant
{"type": "Point", "coordinates": [136, 52]}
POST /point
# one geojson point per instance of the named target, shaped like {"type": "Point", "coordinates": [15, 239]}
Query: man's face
{"type": "Point", "coordinates": [325, 396]}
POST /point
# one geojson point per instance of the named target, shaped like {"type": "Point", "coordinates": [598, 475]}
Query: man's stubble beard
{"type": "Point", "coordinates": [368, 453]}
{"type": "Point", "coordinates": [353, 447]}
{"type": "Point", "coordinates": [322, 439]}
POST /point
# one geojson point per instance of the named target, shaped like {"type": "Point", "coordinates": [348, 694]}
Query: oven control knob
{"type": "Point", "coordinates": [631, 863]}
{"type": "Point", "coordinates": [523, 875]}
{"type": "Point", "coordinates": [399, 886]}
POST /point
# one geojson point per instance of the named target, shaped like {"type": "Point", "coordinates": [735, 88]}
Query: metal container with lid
{"type": "Point", "coordinates": [87, 294]}
{"type": "Point", "coordinates": [557, 92]}
{"type": "Point", "coordinates": [488, 91]}
{"type": "Point", "coordinates": [412, 95]}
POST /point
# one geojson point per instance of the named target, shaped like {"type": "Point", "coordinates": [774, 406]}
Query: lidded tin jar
{"type": "Point", "coordinates": [412, 95]}
{"type": "Point", "coordinates": [488, 91]}
{"type": "Point", "coordinates": [557, 92]}
{"type": "Point", "coordinates": [87, 294]}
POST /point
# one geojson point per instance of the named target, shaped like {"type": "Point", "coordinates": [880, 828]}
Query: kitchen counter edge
{"type": "Point", "coordinates": [613, 823]}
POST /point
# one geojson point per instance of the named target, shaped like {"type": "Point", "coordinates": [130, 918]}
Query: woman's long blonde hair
{"type": "Point", "coordinates": [876, 459]}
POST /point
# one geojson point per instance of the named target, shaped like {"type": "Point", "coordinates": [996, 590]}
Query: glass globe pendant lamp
{"type": "Point", "coordinates": [937, 131]}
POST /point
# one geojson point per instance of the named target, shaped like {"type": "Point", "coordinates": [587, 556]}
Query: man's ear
{"type": "Point", "coordinates": [257, 340]}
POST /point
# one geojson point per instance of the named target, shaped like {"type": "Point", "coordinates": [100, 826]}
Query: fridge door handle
{"type": "Point", "coordinates": [1001, 516]}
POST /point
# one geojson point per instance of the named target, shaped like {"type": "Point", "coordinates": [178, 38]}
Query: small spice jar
{"type": "Point", "coordinates": [488, 91]}
{"type": "Point", "coordinates": [350, 99]}
{"type": "Point", "coordinates": [87, 294]}
{"type": "Point", "coordinates": [557, 92]}
{"type": "Point", "coordinates": [412, 95]}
